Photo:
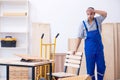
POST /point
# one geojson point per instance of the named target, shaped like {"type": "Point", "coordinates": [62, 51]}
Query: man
{"type": "Point", "coordinates": [90, 30]}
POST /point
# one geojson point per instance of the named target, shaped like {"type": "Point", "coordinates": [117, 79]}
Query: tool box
{"type": "Point", "coordinates": [8, 41]}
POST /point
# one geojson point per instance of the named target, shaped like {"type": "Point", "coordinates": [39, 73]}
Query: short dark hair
{"type": "Point", "coordinates": [90, 8]}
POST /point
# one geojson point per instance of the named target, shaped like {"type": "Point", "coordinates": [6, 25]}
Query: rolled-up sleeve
{"type": "Point", "coordinates": [80, 31]}
{"type": "Point", "coordinates": [100, 18]}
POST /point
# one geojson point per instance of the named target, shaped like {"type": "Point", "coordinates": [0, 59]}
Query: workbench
{"type": "Point", "coordinates": [18, 63]}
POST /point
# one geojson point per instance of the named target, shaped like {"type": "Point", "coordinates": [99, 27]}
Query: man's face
{"type": "Point", "coordinates": [90, 14]}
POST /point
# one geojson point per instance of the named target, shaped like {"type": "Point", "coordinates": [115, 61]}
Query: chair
{"type": "Point", "coordinates": [72, 61]}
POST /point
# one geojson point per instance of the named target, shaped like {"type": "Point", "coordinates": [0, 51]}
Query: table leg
{"type": "Point", "coordinates": [50, 76]}
{"type": "Point", "coordinates": [7, 73]}
{"type": "Point", "coordinates": [33, 73]}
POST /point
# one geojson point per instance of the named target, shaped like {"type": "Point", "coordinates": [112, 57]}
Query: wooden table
{"type": "Point", "coordinates": [32, 65]}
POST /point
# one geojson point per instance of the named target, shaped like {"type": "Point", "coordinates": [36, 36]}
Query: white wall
{"type": "Point", "coordinates": [66, 15]}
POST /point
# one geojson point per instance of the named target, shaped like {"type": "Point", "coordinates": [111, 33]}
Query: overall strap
{"type": "Point", "coordinates": [96, 23]}
{"type": "Point", "coordinates": [85, 26]}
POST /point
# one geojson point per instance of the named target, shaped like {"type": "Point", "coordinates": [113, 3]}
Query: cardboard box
{"type": "Point", "coordinates": [18, 73]}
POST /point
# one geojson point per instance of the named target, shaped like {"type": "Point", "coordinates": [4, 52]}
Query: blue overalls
{"type": "Point", "coordinates": [94, 53]}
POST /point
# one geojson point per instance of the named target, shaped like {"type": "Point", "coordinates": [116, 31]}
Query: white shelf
{"type": "Point", "coordinates": [13, 0]}
{"type": "Point", "coordinates": [13, 32]}
{"type": "Point", "coordinates": [14, 22]}
{"type": "Point", "coordinates": [13, 8]}
{"type": "Point", "coordinates": [13, 16]}
{"type": "Point", "coordinates": [14, 19]}
{"type": "Point", "coordinates": [11, 48]}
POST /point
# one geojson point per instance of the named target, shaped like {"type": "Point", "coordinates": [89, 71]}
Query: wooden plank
{"type": "Point", "coordinates": [115, 49]}
{"type": "Point", "coordinates": [63, 74]}
{"type": "Point", "coordinates": [31, 58]}
{"type": "Point", "coordinates": [72, 65]}
{"type": "Point", "coordinates": [37, 30]}
{"type": "Point", "coordinates": [77, 53]}
{"type": "Point", "coordinates": [109, 50]}
{"type": "Point", "coordinates": [74, 57]}
{"type": "Point", "coordinates": [81, 77]}
{"type": "Point", "coordinates": [118, 50]}
{"type": "Point", "coordinates": [59, 62]}
{"type": "Point", "coordinates": [72, 61]}
{"type": "Point", "coordinates": [15, 14]}
{"type": "Point", "coordinates": [72, 44]}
